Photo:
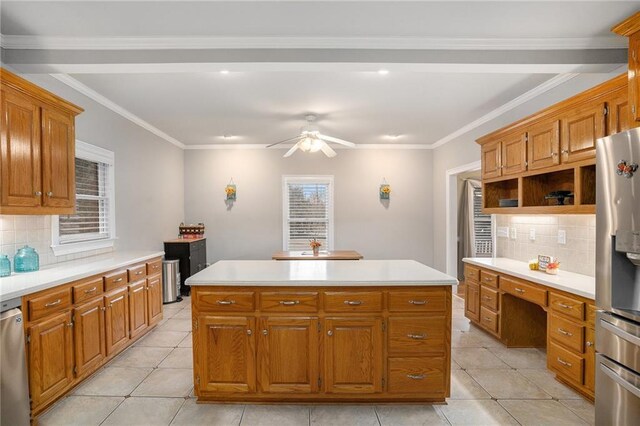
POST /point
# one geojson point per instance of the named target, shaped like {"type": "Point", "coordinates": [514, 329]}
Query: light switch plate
{"type": "Point", "coordinates": [532, 234]}
{"type": "Point", "coordinates": [503, 231]}
{"type": "Point", "coordinates": [562, 236]}
{"type": "Point", "coordinates": [513, 233]}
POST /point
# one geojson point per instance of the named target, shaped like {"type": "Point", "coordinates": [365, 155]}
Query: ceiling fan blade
{"type": "Point", "coordinates": [328, 151]}
{"type": "Point", "coordinates": [292, 150]}
{"type": "Point", "coordinates": [336, 140]}
{"type": "Point", "coordinates": [284, 141]}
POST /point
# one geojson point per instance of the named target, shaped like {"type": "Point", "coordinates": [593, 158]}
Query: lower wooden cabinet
{"type": "Point", "coordinates": [89, 336]}
{"type": "Point", "coordinates": [138, 317]}
{"type": "Point", "coordinates": [472, 301]}
{"type": "Point", "coordinates": [117, 319]}
{"type": "Point", "coordinates": [154, 299]}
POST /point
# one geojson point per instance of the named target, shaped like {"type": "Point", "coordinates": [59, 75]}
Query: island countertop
{"type": "Point", "coordinates": [319, 273]}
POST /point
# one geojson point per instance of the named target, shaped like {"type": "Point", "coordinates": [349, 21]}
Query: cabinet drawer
{"type": "Point", "coordinates": [567, 306]}
{"type": "Point", "coordinates": [471, 273]}
{"type": "Point", "coordinates": [417, 375]}
{"type": "Point", "coordinates": [87, 289]}
{"type": "Point", "coordinates": [524, 291]}
{"type": "Point", "coordinates": [489, 319]}
{"type": "Point", "coordinates": [489, 298]}
{"type": "Point", "coordinates": [289, 302]}
{"type": "Point", "coordinates": [114, 280]}
{"type": "Point", "coordinates": [566, 332]}
{"type": "Point", "coordinates": [154, 267]}
{"type": "Point", "coordinates": [353, 301]}
{"type": "Point", "coordinates": [224, 301]}
{"type": "Point", "coordinates": [489, 278]}
{"type": "Point", "coordinates": [41, 306]}
{"type": "Point", "coordinates": [565, 363]}
{"type": "Point", "coordinates": [418, 301]}
{"type": "Point", "coordinates": [416, 335]}
{"type": "Point", "coordinates": [137, 272]}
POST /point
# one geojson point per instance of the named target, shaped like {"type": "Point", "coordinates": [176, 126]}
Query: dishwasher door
{"type": "Point", "coordinates": [14, 385]}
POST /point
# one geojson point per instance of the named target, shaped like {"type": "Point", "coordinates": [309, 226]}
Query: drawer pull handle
{"type": "Point", "coordinates": [488, 279]}
{"type": "Point", "coordinates": [90, 291]}
{"type": "Point", "coordinates": [417, 336]}
{"type": "Point", "coordinates": [226, 302]}
{"type": "Point", "coordinates": [519, 290]}
{"type": "Point", "coordinates": [50, 304]}
{"type": "Point", "coordinates": [117, 280]}
{"type": "Point", "coordinates": [418, 302]}
{"type": "Point", "coordinates": [487, 297]}
{"type": "Point", "coordinates": [562, 305]}
{"type": "Point", "coordinates": [488, 319]}
{"type": "Point", "coordinates": [353, 302]}
{"type": "Point", "coordinates": [563, 362]}
{"type": "Point", "coordinates": [289, 302]}
{"type": "Point", "coordinates": [565, 332]}
{"type": "Point", "coordinates": [139, 273]}
{"type": "Point", "coordinates": [416, 376]}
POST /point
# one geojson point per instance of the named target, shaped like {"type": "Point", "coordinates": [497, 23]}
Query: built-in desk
{"type": "Point", "coordinates": [323, 255]}
{"type": "Point", "coordinates": [524, 308]}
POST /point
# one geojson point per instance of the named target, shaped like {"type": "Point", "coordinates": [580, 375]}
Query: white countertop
{"type": "Point", "coordinates": [20, 284]}
{"type": "Point", "coordinates": [319, 273]}
{"type": "Point", "coordinates": [581, 285]}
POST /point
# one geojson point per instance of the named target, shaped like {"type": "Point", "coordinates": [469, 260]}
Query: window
{"type": "Point", "coordinates": [92, 226]}
{"type": "Point", "coordinates": [482, 226]}
{"type": "Point", "coordinates": [307, 211]}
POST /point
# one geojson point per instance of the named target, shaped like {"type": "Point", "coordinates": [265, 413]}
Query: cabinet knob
{"type": "Point", "coordinates": [50, 194]}
{"type": "Point", "coordinates": [38, 193]}
{"type": "Point", "coordinates": [249, 332]}
{"type": "Point", "coordinates": [554, 154]}
{"type": "Point", "coordinates": [330, 332]}
{"type": "Point", "coordinates": [589, 344]}
{"type": "Point", "coordinates": [265, 332]}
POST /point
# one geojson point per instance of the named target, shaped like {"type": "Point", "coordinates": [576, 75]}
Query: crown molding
{"type": "Point", "coordinates": [287, 146]}
{"type": "Point", "coordinates": [29, 42]}
{"type": "Point", "coordinates": [108, 103]}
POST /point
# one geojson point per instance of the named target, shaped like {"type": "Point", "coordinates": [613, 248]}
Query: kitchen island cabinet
{"type": "Point", "coordinates": [324, 331]}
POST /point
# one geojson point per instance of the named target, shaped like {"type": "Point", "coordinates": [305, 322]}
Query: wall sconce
{"type": "Point", "coordinates": [385, 190]}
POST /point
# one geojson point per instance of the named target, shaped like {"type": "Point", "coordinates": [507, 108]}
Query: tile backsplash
{"type": "Point", "coordinates": [35, 231]}
{"type": "Point", "coordinates": [576, 255]}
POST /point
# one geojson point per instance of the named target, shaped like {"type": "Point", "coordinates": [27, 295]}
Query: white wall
{"type": "Point", "coordinates": [252, 228]}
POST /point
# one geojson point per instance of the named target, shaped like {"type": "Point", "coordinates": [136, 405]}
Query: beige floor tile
{"type": "Point", "coordinates": [170, 382]}
{"type": "Point", "coordinates": [140, 356]}
{"type": "Point", "coordinates": [145, 411]}
{"type": "Point", "coordinates": [487, 340]}
{"type": "Point", "coordinates": [178, 358]}
{"type": "Point", "coordinates": [275, 415]}
{"type": "Point", "coordinates": [187, 342]}
{"type": "Point", "coordinates": [461, 324]}
{"type": "Point", "coordinates": [464, 387]}
{"type": "Point", "coordinates": [183, 314]}
{"type": "Point", "coordinates": [457, 302]}
{"type": "Point", "coordinates": [409, 415]}
{"type": "Point", "coordinates": [353, 415]}
{"type": "Point", "coordinates": [520, 357]}
{"type": "Point", "coordinates": [583, 408]}
{"type": "Point", "coordinates": [485, 412]}
{"type": "Point", "coordinates": [477, 358]}
{"type": "Point", "coordinates": [454, 365]}
{"type": "Point", "coordinates": [116, 381]}
{"type": "Point", "coordinates": [507, 384]}
{"type": "Point", "coordinates": [193, 414]}
{"type": "Point", "coordinates": [74, 411]}
{"type": "Point", "coordinates": [165, 339]}
{"type": "Point", "coordinates": [547, 381]}
{"type": "Point", "coordinates": [541, 413]}
{"type": "Point", "coordinates": [464, 339]}
{"type": "Point", "coordinates": [176, 324]}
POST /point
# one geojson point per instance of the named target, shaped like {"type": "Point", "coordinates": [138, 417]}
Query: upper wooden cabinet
{"type": "Point", "coordinates": [580, 129]}
{"type": "Point", "coordinates": [491, 153]}
{"type": "Point", "coordinates": [514, 154]}
{"type": "Point", "coordinates": [618, 112]}
{"type": "Point", "coordinates": [37, 149]}
{"type": "Point", "coordinates": [630, 27]}
{"type": "Point", "coordinates": [543, 145]}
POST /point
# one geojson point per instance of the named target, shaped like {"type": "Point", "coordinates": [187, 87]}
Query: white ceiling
{"type": "Point", "coordinates": [434, 88]}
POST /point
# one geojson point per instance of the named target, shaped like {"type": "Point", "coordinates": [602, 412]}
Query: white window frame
{"type": "Point", "coordinates": [305, 179]}
{"type": "Point", "coordinates": [89, 152]}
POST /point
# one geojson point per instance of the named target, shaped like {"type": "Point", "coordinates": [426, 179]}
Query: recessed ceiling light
{"type": "Point", "coordinates": [228, 137]}
{"type": "Point", "coordinates": [392, 137]}
{"type": "Point", "coordinates": [224, 71]}
{"type": "Point", "coordinates": [383, 72]}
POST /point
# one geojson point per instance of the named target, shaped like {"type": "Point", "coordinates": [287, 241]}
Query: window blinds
{"type": "Point", "coordinates": [308, 214]}
{"type": "Point", "coordinates": [481, 226]}
{"type": "Point", "coordinates": [91, 219]}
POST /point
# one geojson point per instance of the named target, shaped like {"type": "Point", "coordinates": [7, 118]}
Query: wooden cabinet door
{"type": "Point", "coordinates": [58, 159]}
{"type": "Point", "coordinates": [543, 145]}
{"type": "Point", "coordinates": [580, 129]}
{"type": "Point", "coordinates": [20, 172]}
{"type": "Point", "coordinates": [590, 359]}
{"type": "Point", "coordinates": [619, 113]}
{"type": "Point", "coordinates": [137, 307]}
{"type": "Point", "coordinates": [353, 355]}
{"type": "Point", "coordinates": [154, 299]}
{"type": "Point", "coordinates": [634, 76]}
{"type": "Point", "coordinates": [89, 335]}
{"type": "Point", "coordinates": [514, 154]}
{"type": "Point", "coordinates": [227, 354]}
{"type": "Point", "coordinates": [491, 161]}
{"type": "Point", "coordinates": [288, 359]}
{"type": "Point", "coordinates": [472, 301]}
{"type": "Point", "coordinates": [117, 320]}
{"type": "Point", "coordinates": [50, 357]}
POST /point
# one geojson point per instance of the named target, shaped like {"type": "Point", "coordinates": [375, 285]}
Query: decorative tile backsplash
{"type": "Point", "coordinates": [576, 255]}
{"type": "Point", "coordinates": [35, 231]}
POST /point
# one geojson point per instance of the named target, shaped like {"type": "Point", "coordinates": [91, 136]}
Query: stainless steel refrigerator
{"type": "Point", "coordinates": [618, 279]}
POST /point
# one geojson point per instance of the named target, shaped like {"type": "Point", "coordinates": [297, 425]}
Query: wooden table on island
{"type": "Point", "coordinates": [323, 255]}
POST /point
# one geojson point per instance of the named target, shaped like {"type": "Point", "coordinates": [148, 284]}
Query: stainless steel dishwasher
{"type": "Point", "coordinates": [14, 385]}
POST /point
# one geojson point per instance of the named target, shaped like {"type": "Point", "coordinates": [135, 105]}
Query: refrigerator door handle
{"type": "Point", "coordinates": [619, 380]}
{"type": "Point", "coordinates": [632, 338]}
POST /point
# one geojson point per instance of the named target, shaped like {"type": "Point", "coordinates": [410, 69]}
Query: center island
{"type": "Point", "coordinates": [321, 331]}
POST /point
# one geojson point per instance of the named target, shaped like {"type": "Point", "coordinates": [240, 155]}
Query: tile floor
{"type": "Point", "coordinates": [151, 384]}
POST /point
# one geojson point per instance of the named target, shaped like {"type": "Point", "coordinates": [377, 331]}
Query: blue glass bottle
{"type": "Point", "coordinates": [26, 260]}
{"type": "Point", "coordinates": [5, 266]}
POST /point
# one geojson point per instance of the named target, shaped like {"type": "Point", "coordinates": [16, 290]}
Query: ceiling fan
{"type": "Point", "coordinates": [311, 140]}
